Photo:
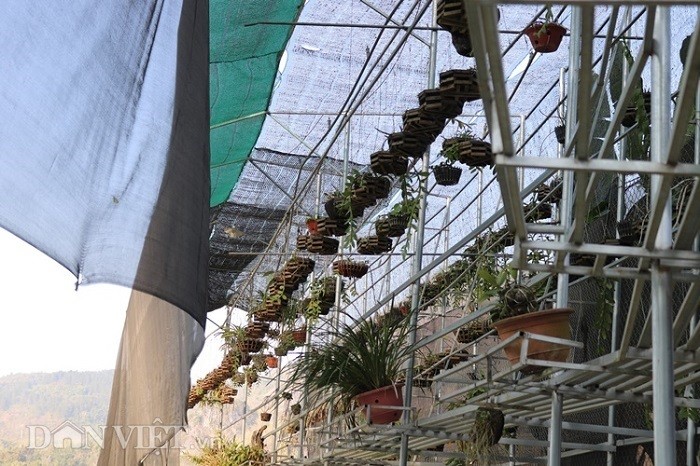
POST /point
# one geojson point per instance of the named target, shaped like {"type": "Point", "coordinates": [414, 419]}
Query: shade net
{"type": "Point", "coordinates": [104, 141]}
{"type": "Point", "coordinates": [244, 57]}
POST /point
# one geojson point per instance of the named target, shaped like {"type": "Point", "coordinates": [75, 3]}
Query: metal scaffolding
{"type": "Point", "coordinates": [662, 269]}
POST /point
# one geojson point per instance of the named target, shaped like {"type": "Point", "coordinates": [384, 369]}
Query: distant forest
{"type": "Point", "coordinates": [49, 399]}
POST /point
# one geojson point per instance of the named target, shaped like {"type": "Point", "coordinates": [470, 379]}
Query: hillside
{"type": "Point", "coordinates": [46, 400]}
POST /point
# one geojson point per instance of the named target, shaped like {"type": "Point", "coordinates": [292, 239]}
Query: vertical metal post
{"type": "Point", "coordinates": [554, 457]}
{"type": "Point", "coordinates": [335, 321]}
{"type": "Point", "coordinates": [418, 250]}
{"type": "Point", "coordinates": [661, 284]}
{"type": "Point", "coordinates": [277, 410]}
{"type": "Point", "coordinates": [690, 391]}
{"type": "Point", "coordinates": [245, 405]}
{"type": "Point", "coordinates": [619, 215]}
{"type": "Point", "coordinates": [571, 112]}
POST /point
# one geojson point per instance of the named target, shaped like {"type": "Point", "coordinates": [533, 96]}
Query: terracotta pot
{"type": "Point", "coordinates": [551, 323]}
{"type": "Point", "coordinates": [545, 38]}
{"type": "Point", "coordinates": [265, 417]}
{"type": "Point", "coordinates": [312, 225]}
{"type": "Point", "coordinates": [271, 362]}
{"type": "Point", "coordinates": [391, 395]}
{"type": "Point", "coordinates": [299, 335]}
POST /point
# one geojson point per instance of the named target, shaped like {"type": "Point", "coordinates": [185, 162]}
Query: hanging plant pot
{"type": "Point", "coordinates": [447, 175]}
{"type": "Point", "coordinates": [630, 231]}
{"type": "Point", "coordinates": [286, 282]}
{"type": "Point", "coordinates": [379, 186]}
{"type": "Point", "coordinates": [460, 85]}
{"type": "Point", "coordinates": [560, 133]}
{"type": "Point", "coordinates": [551, 323]}
{"type": "Point", "coordinates": [537, 212]}
{"type": "Point", "coordinates": [373, 245]}
{"type": "Point", "coordinates": [257, 330]}
{"type": "Point", "coordinates": [488, 427]}
{"type": "Point", "coordinates": [302, 265]}
{"type": "Point", "coordinates": [406, 144]}
{"type": "Point", "coordinates": [280, 351]}
{"type": "Point", "coordinates": [450, 15]}
{"type": "Point", "coordinates": [462, 43]}
{"type": "Point", "coordinates": [296, 409]}
{"type": "Point", "coordinates": [388, 163]}
{"type": "Point", "coordinates": [269, 315]}
{"type": "Point", "coordinates": [391, 225]}
{"type": "Point", "coordinates": [250, 345]}
{"type": "Point", "coordinates": [312, 225]}
{"type": "Point", "coordinates": [299, 335]}
{"type": "Point", "coordinates": [472, 331]}
{"type": "Point", "coordinates": [297, 269]}
{"type": "Point", "coordinates": [472, 152]}
{"type": "Point", "coordinates": [350, 268]}
{"type": "Point", "coordinates": [545, 37]}
{"type": "Point", "coordinates": [391, 395]}
{"type": "Point", "coordinates": [302, 242]}
{"type": "Point", "coordinates": [631, 116]}
{"type": "Point", "coordinates": [331, 226]}
{"type": "Point", "coordinates": [439, 104]}
{"type": "Point", "coordinates": [323, 245]}
{"type": "Point", "coordinates": [426, 126]}
{"type": "Point", "coordinates": [265, 417]}
{"type": "Point", "coordinates": [335, 210]}
{"type": "Point", "coordinates": [271, 362]}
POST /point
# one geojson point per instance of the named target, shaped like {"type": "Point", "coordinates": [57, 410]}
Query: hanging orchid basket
{"type": "Point", "coordinates": [446, 174]}
{"type": "Point", "coordinates": [350, 268]}
{"type": "Point", "coordinates": [545, 37]}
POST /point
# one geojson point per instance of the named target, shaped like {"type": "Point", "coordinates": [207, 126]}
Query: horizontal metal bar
{"type": "Point", "coordinates": [545, 443]}
{"type": "Point", "coordinates": [614, 250]}
{"type": "Point", "coordinates": [600, 165]}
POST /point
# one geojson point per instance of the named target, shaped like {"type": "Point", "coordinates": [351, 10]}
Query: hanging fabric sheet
{"type": "Point", "coordinates": [104, 140]}
{"type": "Point", "coordinates": [104, 148]}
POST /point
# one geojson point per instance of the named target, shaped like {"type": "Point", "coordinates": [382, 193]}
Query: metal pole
{"type": "Point", "coordinates": [619, 215]}
{"type": "Point", "coordinates": [418, 258]}
{"type": "Point", "coordinates": [571, 122]}
{"type": "Point", "coordinates": [690, 392]}
{"type": "Point", "coordinates": [245, 404]}
{"type": "Point", "coordinates": [554, 458]}
{"type": "Point", "coordinates": [276, 413]}
{"type": "Point", "coordinates": [661, 285]}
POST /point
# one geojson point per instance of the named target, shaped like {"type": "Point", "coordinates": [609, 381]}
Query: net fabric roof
{"type": "Point", "coordinates": [244, 57]}
{"type": "Point", "coordinates": [323, 64]}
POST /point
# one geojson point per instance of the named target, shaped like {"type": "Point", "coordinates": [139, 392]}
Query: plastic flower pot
{"type": "Point", "coordinates": [312, 225]}
{"type": "Point", "coordinates": [271, 362]}
{"type": "Point", "coordinates": [551, 323]}
{"type": "Point", "coordinates": [377, 399]}
{"type": "Point", "coordinates": [545, 37]}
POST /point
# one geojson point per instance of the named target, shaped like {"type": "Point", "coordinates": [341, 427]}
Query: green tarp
{"type": "Point", "coordinates": [242, 70]}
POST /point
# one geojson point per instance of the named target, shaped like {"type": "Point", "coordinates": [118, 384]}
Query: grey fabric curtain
{"type": "Point", "coordinates": [151, 383]}
{"type": "Point", "coordinates": [104, 148]}
{"type": "Point", "coordinates": [104, 141]}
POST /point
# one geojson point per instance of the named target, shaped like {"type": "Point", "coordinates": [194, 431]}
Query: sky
{"type": "Point", "coordinates": [48, 326]}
